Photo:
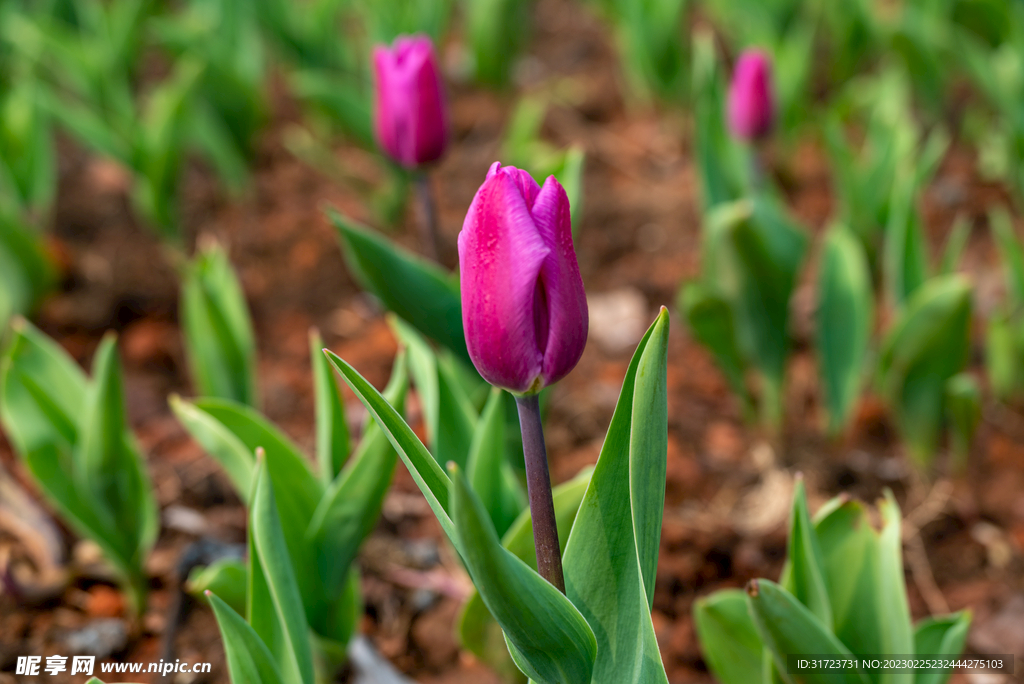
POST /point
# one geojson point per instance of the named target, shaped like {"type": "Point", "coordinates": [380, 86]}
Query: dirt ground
{"type": "Point", "coordinates": [728, 485]}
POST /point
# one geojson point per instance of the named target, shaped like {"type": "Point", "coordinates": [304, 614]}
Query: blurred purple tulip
{"type": "Point", "coordinates": [411, 117]}
{"type": "Point", "coordinates": [524, 309]}
{"type": "Point", "coordinates": [751, 96]}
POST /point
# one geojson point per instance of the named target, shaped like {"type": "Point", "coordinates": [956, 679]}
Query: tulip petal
{"type": "Point", "coordinates": [429, 117]}
{"type": "Point", "coordinates": [563, 286]}
{"type": "Point", "coordinates": [500, 257]}
{"type": "Point", "coordinates": [384, 119]}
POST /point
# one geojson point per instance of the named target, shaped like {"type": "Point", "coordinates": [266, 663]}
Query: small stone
{"type": "Point", "coordinates": [101, 638]}
{"type": "Point", "coordinates": [618, 319]}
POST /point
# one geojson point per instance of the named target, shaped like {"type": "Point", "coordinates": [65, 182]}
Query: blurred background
{"type": "Point", "coordinates": [133, 131]}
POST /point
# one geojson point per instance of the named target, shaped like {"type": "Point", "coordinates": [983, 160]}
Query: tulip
{"type": "Point", "coordinates": [524, 309]}
{"type": "Point", "coordinates": [411, 119]}
{"type": "Point", "coordinates": [524, 312]}
{"type": "Point", "coordinates": [751, 98]}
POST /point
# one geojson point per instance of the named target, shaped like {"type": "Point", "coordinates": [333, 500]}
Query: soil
{"type": "Point", "coordinates": [728, 485]}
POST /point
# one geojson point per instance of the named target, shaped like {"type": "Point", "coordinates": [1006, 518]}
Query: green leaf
{"type": "Point", "coordinates": [712, 321]}
{"type": "Point", "coordinates": [896, 631]}
{"type": "Point", "coordinates": [1001, 358]}
{"type": "Point", "coordinates": [488, 468]}
{"type": "Point", "coordinates": [269, 543]}
{"type": "Point", "coordinates": [248, 658]}
{"type": "Point", "coordinates": [849, 551]}
{"type": "Point", "coordinates": [928, 344]}
{"type": "Point", "coordinates": [418, 291]}
{"type": "Point", "coordinates": [803, 576]}
{"type": "Point", "coordinates": [787, 627]}
{"type": "Point", "coordinates": [42, 393]}
{"type": "Point", "coordinates": [225, 577]}
{"type": "Point", "coordinates": [548, 638]}
{"type": "Point", "coordinates": [844, 323]}
{"type": "Point", "coordinates": [943, 635]}
{"type": "Point", "coordinates": [767, 250]}
{"type": "Point", "coordinates": [26, 274]}
{"type": "Point", "coordinates": [218, 332]}
{"type": "Point", "coordinates": [477, 630]}
{"type": "Point", "coordinates": [108, 468]}
{"type": "Point", "coordinates": [449, 415]}
{"type": "Point", "coordinates": [956, 242]}
{"type": "Point", "coordinates": [332, 438]}
{"type": "Point", "coordinates": [219, 442]}
{"type": "Point", "coordinates": [963, 406]}
{"type": "Point", "coordinates": [609, 559]}
{"type": "Point", "coordinates": [1010, 252]}
{"type": "Point", "coordinates": [905, 261]}
{"type": "Point", "coordinates": [719, 182]}
{"type": "Point", "coordinates": [728, 637]}
{"type": "Point", "coordinates": [429, 477]}
{"type": "Point", "coordinates": [349, 509]}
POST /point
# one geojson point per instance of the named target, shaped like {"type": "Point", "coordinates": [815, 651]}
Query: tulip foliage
{"type": "Point", "coordinates": [72, 434]}
{"type": "Point", "coordinates": [841, 593]}
{"type": "Point", "coordinates": [218, 332]}
{"type": "Point", "coordinates": [600, 631]}
{"type": "Point", "coordinates": [739, 308]}
{"type": "Point", "coordinates": [305, 527]}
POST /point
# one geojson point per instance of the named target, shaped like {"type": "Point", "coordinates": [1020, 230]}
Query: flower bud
{"type": "Point", "coordinates": [410, 117]}
{"type": "Point", "coordinates": [524, 309]}
{"type": "Point", "coordinates": [751, 98]}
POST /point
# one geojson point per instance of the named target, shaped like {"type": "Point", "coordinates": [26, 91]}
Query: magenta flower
{"type": "Point", "coordinates": [751, 96]}
{"type": "Point", "coordinates": [524, 309]}
{"type": "Point", "coordinates": [410, 117]}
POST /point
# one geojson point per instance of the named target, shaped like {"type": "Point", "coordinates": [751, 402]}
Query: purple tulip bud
{"type": "Point", "coordinates": [751, 97]}
{"type": "Point", "coordinates": [411, 119]}
{"type": "Point", "coordinates": [524, 309]}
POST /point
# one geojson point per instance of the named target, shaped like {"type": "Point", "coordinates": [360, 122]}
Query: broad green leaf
{"type": "Point", "coordinates": [332, 438]}
{"type": "Point", "coordinates": [718, 179]}
{"type": "Point", "coordinates": [728, 638]}
{"type": "Point", "coordinates": [418, 291]}
{"type": "Point", "coordinates": [349, 509]}
{"type": "Point", "coordinates": [787, 627]}
{"type": "Point", "coordinates": [488, 469]}
{"type": "Point", "coordinates": [844, 323]}
{"type": "Point", "coordinates": [225, 578]}
{"type": "Point", "coordinates": [217, 329]}
{"type": "Point", "coordinates": [768, 250]}
{"type": "Point", "coordinates": [107, 467]}
{"type": "Point", "coordinates": [248, 658]}
{"type": "Point", "coordinates": [25, 272]}
{"type": "Point", "coordinates": [895, 629]}
{"type": "Point", "coordinates": [711, 319]}
{"type": "Point", "coordinates": [956, 242]}
{"type": "Point", "coordinates": [849, 551]}
{"type": "Point", "coordinates": [477, 630]}
{"type": "Point", "coordinates": [648, 451]}
{"type": "Point", "coordinates": [605, 576]}
{"type": "Point", "coordinates": [269, 543]}
{"type": "Point", "coordinates": [219, 442]}
{"type": "Point", "coordinates": [548, 638]}
{"type": "Point", "coordinates": [944, 635]}
{"type": "Point", "coordinates": [963, 407]}
{"type": "Point", "coordinates": [1010, 252]}
{"type": "Point", "coordinates": [42, 391]}
{"type": "Point", "coordinates": [803, 576]}
{"type": "Point", "coordinates": [429, 477]}
{"type": "Point", "coordinates": [905, 261]}
{"type": "Point", "coordinates": [928, 344]}
{"type": "Point", "coordinates": [1002, 365]}
{"type": "Point", "coordinates": [449, 415]}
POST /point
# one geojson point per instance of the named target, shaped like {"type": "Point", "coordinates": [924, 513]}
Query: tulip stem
{"type": "Point", "coordinates": [538, 487]}
{"type": "Point", "coordinates": [428, 217]}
